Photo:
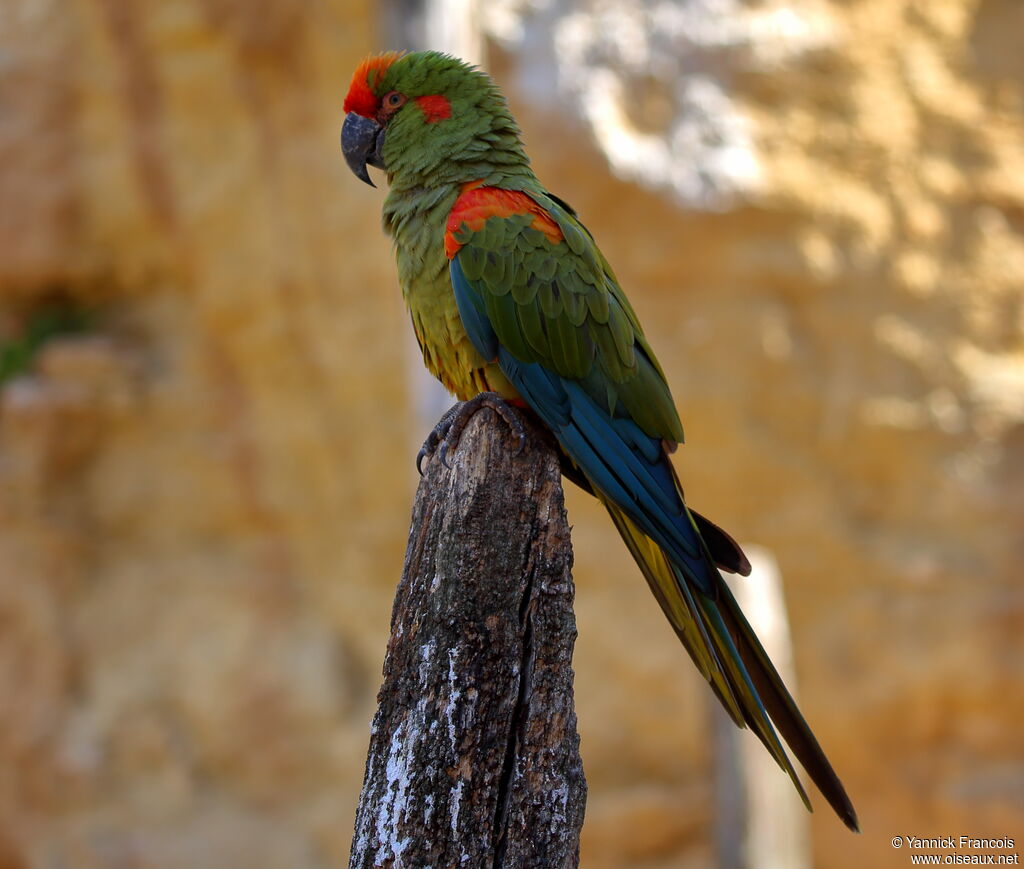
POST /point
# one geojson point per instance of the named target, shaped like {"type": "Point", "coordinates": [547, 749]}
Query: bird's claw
{"type": "Point", "coordinates": [449, 428]}
{"type": "Point", "coordinates": [443, 455]}
{"type": "Point", "coordinates": [429, 445]}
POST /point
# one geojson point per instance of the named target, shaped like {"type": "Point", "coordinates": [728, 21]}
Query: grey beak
{"type": "Point", "coordinates": [361, 141]}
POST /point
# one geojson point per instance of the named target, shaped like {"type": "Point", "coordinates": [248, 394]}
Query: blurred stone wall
{"type": "Point", "coordinates": [205, 489]}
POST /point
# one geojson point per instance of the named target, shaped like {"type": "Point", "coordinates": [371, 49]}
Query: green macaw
{"type": "Point", "coordinates": [513, 303]}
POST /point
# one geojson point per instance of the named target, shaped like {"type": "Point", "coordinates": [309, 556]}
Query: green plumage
{"type": "Point", "coordinates": [508, 292]}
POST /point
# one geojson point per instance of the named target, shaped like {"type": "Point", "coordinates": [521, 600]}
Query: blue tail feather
{"type": "Point", "coordinates": [614, 454]}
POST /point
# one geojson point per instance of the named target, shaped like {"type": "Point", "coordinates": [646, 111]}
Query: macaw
{"type": "Point", "coordinates": [513, 303]}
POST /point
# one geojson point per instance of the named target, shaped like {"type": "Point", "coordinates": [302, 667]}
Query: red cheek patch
{"type": "Point", "coordinates": [435, 108]}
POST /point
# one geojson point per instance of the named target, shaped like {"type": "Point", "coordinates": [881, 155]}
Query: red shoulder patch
{"type": "Point", "coordinates": [435, 108]}
{"type": "Point", "coordinates": [362, 98]}
{"type": "Point", "coordinates": [476, 204]}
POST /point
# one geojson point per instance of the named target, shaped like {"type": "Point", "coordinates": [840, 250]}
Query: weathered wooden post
{"type": "Point", "coordinates": [474, 756]}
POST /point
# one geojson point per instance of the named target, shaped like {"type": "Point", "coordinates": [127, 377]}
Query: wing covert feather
{"type": "Point", "coordinates": [535, 273]}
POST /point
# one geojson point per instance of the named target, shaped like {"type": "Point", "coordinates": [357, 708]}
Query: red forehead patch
{"type": "Point", "coordinates": [362, 98]}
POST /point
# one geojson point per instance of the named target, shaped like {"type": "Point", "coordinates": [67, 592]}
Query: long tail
{"type": "Point", "coordinates": [630, 471]}
{"type": "Point", "coordinates": [728, 654]}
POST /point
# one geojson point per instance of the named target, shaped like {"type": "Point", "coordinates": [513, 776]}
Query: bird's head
{"type": "Point", "coordinates": [425, 118]}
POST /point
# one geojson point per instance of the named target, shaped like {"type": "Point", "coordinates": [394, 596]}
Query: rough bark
{"type": "Point", "coordinates": [474, 756]}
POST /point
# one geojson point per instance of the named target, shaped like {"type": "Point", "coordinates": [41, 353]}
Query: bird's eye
{"type": "Point", "coordinates": [393, 100]}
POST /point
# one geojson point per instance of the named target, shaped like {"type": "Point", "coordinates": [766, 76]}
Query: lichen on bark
{"type": "Point", "coordinates": [474, 756]}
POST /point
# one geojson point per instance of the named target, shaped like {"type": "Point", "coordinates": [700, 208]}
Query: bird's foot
{"type": "Point", "coordinates": [449, 428]}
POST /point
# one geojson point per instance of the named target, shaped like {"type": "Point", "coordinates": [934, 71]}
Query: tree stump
{"type": "Point", "coordinates": [474, 756]}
